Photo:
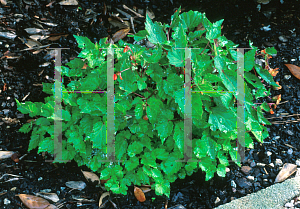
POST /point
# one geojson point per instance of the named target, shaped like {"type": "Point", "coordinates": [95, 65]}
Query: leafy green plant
{"type": "Point", "coordinates": [149, 105]}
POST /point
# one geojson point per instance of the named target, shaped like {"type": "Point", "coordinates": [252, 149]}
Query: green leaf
{"type": "Point", "coordinates": [132, 163]}
{"type": "Point", "coordinates": [170, 166]}
{"type": "Point", "coordinates": [179, 135]}
{"type": "Point", "coordinates": [176, 57]}
{"type": "Point", "coordinates": [34, 142]}
{"type": "Point", "coordinates": [175, 18]}
{"type": "Point", "coordinates": [78, 142]}
{"type": "Point", "coordinates": [47, 145]}
{"type": "Point", "coordinates": [42, 122]}
{"type": "Point", "coordinates": [172, 84]}
{"type": "Point", "coordinates": [154, 109]}
{"type": "Point", "coordinates": [221, 170]}
{"type": "Point", "coordinates": [215, 31]}
{"type": "Point", "coordinates": [162, 188]}
{"type": "Point", "coordinates": [155, 31]}
{"type": "Point", "coordinates": [271, 50]}
{"type": "Point", "coordinates": [142, 34]}
{"type": "Point", "coordinates": [84, 42]}
{"type": "Point", "coordinates": [153, 56]}
{"type": "Point", "coordinates": [98, 135]}
{"type": "Point", "coordinates": [208, 166]}
{"type": "Point", "coordinates": [180, 99]}
{"type": "Point", "coordinates": [139, 111]}
{"type": "Point", "coordinates": [180, 38]}
{"type": "Point", "coordinates": [249, 60]}
{"type": "Point", "coordinates": [222, 119]}
{"type": "Point", "coordinates": [265, 75]}
{"type": "Point", "coordinates": [149, 160]}
{"type": "Point", "coordinates": [47, 88]}
{"type": "Point", "coordinates": [26, 128]}
{"type": "Point", "coordinates": [135, 148]}
{"type": "Point", "coordinates": [190, 20]}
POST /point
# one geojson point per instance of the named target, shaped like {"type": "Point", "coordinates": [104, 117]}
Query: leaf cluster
{"type": "Point", "coordinates": [153, 84]}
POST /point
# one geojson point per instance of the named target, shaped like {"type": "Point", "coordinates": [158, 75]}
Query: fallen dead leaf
{"type": "Point", "coordinates": [15, 157]}
{"type": "Point", "coordinates": [295, 70]}
{"type": "Point", "coordinates": [33, 202]}
{"type": "Point", "coordinates": [277, 88]}
{"type": "Point", "coordinates": [145, 189]}
{"type": "Point", "coordinates": [103, 181]}
{"type": "Point", "coordinates": [139, 194]}
{"type": "Point", "coordinates": [76, 185]}
{"type": "Point", "coordinates": [120, 34]}
{"type": "Point", "coordinates": [287, 170]}
{"type": "Point", "coordinates": [49, 196]}
{"type": "Point", "coordinates": [277, 99]}
{"type": "Point", "coordinates": [90, 176]}
{"type": "Point", "coordinates": [68, 2]}
{"type": "Point", "coordinates": [102, 197]}
{"type": "Point", "coordinates": [6, 154]}
{"type": "Point", "coordinates": [273, 72]}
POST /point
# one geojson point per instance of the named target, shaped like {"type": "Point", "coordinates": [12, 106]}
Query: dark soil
{"type": "Point", "coordinates": [21, 78]}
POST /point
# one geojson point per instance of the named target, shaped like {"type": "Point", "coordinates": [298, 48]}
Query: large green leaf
{"type": "Point", "coordinates": [156, 35]}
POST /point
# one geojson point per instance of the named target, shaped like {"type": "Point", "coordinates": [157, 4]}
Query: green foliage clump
{"type": "Point", "coordinates": [150, 82]}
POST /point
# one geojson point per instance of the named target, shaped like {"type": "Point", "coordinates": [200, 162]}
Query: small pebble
{"type": "Point", "coordinates": [298, 162]}
{"type": "Point", "coordinates": [287, 77]}
{"type": "Point", "coordinates": [252, 164]}
{"type": "Point", "coordinates": [6, 201]}
{"type": "Point", "coordinates": [290, 151]}
{"type": "Point", "coordinates": [269, 153]}
{"type": "Point", "coordinates": [290, 133]}
{"type": "Point", "coordinates": [278, 162]}
{"type": "Point", "coordinates": [233, 184]}
{"type": "Point", "coordinates": [251, 178]}
{"type": "Point", "coordinates": [276, 137]}
{"type": "Point", "coordinates": [282, 39]}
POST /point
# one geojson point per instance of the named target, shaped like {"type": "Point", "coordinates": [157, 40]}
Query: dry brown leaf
{"type": "Point", "coordinates": [145, 189]}
{"type": "Point", "coordinates": [15, 157]}
{"type": "Point", "coordinates": [273, 72]}
{"type": "Point", "coordinates": [68, 2]}
{"type": "Point", "coordinates": [90, 176]}
{"type": "Point", "coordinates": [150, 13]}
{"type": "Point", "coordinates": [33, 202]}
{"type": "Point", "coordinates": [295, 70]}
{"type": "Point", "coordinates": [287, 170]}
{"type": "Point", "coordinates": [103, 181]}
{"type": "Point", "coordinates": [84, 66]}
{"type": "Point", "coordinates": [102, 197]}
{"type": "Point", "coordinates": [277, 88]}
{"type": "Point", "coordinates": [5, 154]}
{"type": "Point", "coordinates": [49, 196]}
{"type": "Point", "coordinates": [120, 34]}
{"type": "Point", "coordinates": [116, 23]}
{"type": "Point", "coordinates": [76, 185]}
{"type": "Point", "coordinates": [54, 38]}
{"type": "Point", "coordinates": [277, 99]}
{"type": "Point", "coordinates": [139, 194]}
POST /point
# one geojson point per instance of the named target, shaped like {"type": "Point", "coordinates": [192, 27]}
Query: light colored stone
{"type": "Point", "coordinates": [278, 162]}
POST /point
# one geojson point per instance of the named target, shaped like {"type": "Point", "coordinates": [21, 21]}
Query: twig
{"type": "Point", "coordinates": [137, 14]}
{"type": "Point", "coordinates": [284, 116]}
{"type": "Point", "coordinates": [124, 13]}
{"type": "Point", "coordinates": [131, 21]}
